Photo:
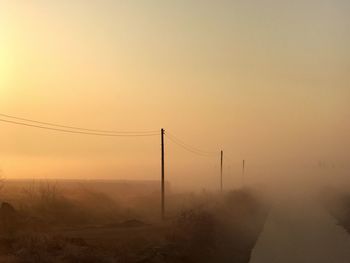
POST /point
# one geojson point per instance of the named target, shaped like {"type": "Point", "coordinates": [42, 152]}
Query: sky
{"type": "Point", "coordinates": [265, 81]}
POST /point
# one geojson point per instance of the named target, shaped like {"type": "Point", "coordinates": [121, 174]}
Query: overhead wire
{"type": "Point", "coordinates": [99, 132]}
{"type": "Point", "coordinates": [78, 132]}
{"type": "Point", "coordinates": [188, 147]}
{"type": "Point", "coordinates": [76, 128]}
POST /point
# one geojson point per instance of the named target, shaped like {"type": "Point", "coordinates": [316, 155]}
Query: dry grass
{"type": "Point", "coordinates": [88, 226]}
{"type": "Point", "coordinates": [221, 230]}
{"type": "Point", "coordinates": [338, 204]}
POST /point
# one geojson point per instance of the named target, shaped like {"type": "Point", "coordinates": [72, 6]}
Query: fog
{"type": "Point", "coordinates": [87, 86]}
{"type": "Point", "coordinates": [264, 82]}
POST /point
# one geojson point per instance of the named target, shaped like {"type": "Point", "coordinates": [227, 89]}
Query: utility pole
{"type": "Point", "coordinates": [221, 168]}
{"type": "Point", "coordinates": [162, 175]}
{"type": "Point", "coordinates": [243, 172]}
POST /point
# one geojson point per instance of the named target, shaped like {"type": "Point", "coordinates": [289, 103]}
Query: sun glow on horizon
{"type": "Point", "coordinates": [266, 81]}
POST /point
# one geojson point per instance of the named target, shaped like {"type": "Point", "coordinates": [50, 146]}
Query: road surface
{"type": "Point", "coordinates": [299, 230]}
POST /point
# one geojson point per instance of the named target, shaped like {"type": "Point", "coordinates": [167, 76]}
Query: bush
{"type": "Point", "coordinates": [40, 248]}
{"type": "Point", "coordinates": [48, 203]}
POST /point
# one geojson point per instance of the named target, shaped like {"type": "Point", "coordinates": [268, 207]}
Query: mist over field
{"type": "Point", "coordinates": [174, 131]}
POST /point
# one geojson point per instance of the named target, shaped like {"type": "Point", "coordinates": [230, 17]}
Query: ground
{"type": "Point", "coordinates": [206, 227]}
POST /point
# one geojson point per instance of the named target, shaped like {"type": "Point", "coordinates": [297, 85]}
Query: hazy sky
{"type": "Point", "coordinates": [267, 81]}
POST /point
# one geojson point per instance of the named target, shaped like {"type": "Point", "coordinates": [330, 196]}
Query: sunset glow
{"type": "Point", "coordinates": [259, 85]}
{"type": "Point", "coordinates": [167, 131]}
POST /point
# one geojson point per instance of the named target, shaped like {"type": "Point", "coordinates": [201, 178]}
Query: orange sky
{"type": "Point", "coordinates": [267, 82]}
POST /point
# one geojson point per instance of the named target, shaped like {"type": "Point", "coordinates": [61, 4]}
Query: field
{"type": "Point", "coordinates": [338, 204]}
{"type": "Point", "coordinates": [116, 221]}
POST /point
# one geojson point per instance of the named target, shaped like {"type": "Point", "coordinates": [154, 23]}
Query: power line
{"type": "Point", "coordinates": [77, 128]}
{"type": "Point", "coordinates": [188, 147]}
{"type": "Point", "coordinates": [108, 133]}
{"type": "Point", "coordinates": [78, 132]}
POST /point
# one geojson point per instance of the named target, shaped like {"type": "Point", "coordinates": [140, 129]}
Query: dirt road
{"type": "Point", "coordinates": [300, 230]}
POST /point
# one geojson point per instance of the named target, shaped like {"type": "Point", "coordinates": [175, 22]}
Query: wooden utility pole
{"type": "Point", "coordinates": [243, 172]}
{"type": "Point", "coordinates": [162, 175]}
{"type": "Point", "coordinates": [221, 168]}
